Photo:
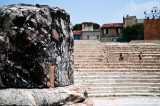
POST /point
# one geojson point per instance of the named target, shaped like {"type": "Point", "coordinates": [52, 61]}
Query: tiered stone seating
{"type": "Point", "coordinates": [98, 69]}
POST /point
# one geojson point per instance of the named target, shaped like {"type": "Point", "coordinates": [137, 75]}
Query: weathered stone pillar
{"type": "Point", "coordinates": [32, 38]}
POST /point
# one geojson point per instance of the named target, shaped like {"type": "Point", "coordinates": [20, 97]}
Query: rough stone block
{"type": "Point", "coordinates": [32, 38]}
{"type": "Point", "coordinates": [60, 96]}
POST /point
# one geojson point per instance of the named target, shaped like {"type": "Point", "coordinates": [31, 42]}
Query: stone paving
{"type": "Point", "coordinates": [126, 101]}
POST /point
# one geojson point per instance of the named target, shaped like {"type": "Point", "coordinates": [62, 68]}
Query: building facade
{"type": "Point", "coordinates": [87, 33]}
{"type": "Point", "coordinates": [131, 20]}
{"type": "Point", "coordinates": [77, 35]}
{"type": "Point", "coordinates": [111, 32]}
{"type": "Point", "coordinates": [91, 35]}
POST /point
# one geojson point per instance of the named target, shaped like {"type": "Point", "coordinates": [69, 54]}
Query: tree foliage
{"type": "Point", "coordinates": [135, 32]}
{"type": "Point", "coordinates": [79, 26]}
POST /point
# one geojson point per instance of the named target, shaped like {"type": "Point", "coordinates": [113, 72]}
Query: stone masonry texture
{"type": "Point", "coordinates": [33, 38]}
{"type": "Point", "coordinates": [60, 96]}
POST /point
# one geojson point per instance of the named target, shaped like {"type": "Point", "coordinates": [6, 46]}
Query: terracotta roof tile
{"type": "Point", "coordinates": [111, 25]}
{"type": "Point", "coordinates": [77, 32]}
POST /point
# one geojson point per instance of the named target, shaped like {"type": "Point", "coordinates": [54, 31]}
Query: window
{"type": "Point", "coordinates": [105, 31]}
{"type": "Point", "coordinates": [114, 40]}
{"type": "Point", "coordinates": [87, 37]}
{"type": "Point", "coordinates": [76, 37]}
{"type": "Point", "coordinates": [97, 36]}
{"type": "Point", "coordinates": [118, 30]}
{"type": "Point", "coordinates": [89, 28]}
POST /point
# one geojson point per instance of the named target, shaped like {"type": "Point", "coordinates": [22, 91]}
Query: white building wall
{"type": "Point", "coordinates": [92, 35]}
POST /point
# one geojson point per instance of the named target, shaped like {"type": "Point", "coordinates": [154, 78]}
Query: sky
{"type": "Point", "coordinates": [97, 11]}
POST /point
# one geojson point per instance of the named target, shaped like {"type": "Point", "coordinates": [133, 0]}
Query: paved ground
{"type": "Point", "coordinates": [126, 101]}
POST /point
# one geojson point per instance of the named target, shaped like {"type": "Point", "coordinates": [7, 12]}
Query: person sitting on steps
{"type": "Point", "coordinates": [140, 57]}
{"type": "Point", "coordinates": [121, 57]}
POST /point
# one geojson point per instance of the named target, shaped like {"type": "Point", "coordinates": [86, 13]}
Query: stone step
{"type": "Point", "coordinates": [128, 77]}
{"type": "Point", "coordinates": [148, 54]}
{"type": "Point", "coordinates": [122, 94]}
{"type": "Point", "coordinates": [89, 52]}
{"type": "Point", "coordinates": [103, 55]}
{"type": "Point", "coordinates": [115, 67]}
{"type": "Point", "coordinates": [117, 70]}
{"type": "Point", "coordinates": [108, 76]}
{"type": "Point", "coordinates": [115, 58]}
{"type": "Point", "coordinates": [113, 61]}
{"type": "Point", "coordinates": [94, 54]}
{"type": "Point", "coordinates": [151, 56]}
{"type": "Point", "coordinates": [81, 49]}
{"type": "Point", "coordinates": [116, 84]}
{"type": "Point", "coordinates": [130, 46]}
{"type": "Point", "coordinates": [137, 47]}
{"type": "Point", "coordinates": [133, 48]}
{"type": "Point", "coordinates": [117, 64]}
{"type": "Point", "coordinates": [89, 66]}
{"type": "Point", "coordinates": [88, 47]}
{"type": "Point", "coordinates": [104, 64]}
{"type": "Point", "coordinates": [124, 91]}
{"type": "Point", "coordinates": [94, 68]}
{"type": "Point", "coordinates": [121, 88]}
{"type": "Point", "coordinates": [127, 50]}
{"type": "Point", "coordinates": [116, 53]}
{"type": "Point", "coordinates": [127, 73]}
{"type": "Point", "coordinates": [89, 44]}
{"type": "Point", "coordinates": [90, 55]}
{"type": "Point", "coordinates": [120, 80]}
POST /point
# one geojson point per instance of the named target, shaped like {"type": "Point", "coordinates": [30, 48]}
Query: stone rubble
{"type": "Point", "coordinates": [32, 38]}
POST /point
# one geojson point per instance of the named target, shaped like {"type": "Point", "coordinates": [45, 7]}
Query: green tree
{"type": "Point", "coordinates": [79, 26]}
{"type": "Point", "coordinates": [135, 32]}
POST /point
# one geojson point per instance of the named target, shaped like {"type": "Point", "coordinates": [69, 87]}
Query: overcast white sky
{"type": "Point", "coordinates": [98, 11]}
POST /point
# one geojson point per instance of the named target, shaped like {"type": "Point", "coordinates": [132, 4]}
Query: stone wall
{"type": "Point", "coordinates": [108, 38]}
{"type": "Point", "coordinates": [129, 21]}
{"type": "Point", "coordinates": [113, 32]}
{"type": "Point", "coordinates": [33, 38]}
{"type": "Point", "coordinates": [152, 29]}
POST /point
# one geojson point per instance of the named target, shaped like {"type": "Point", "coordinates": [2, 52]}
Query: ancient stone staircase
{"type": "Point", "coordinates": [98, 69]}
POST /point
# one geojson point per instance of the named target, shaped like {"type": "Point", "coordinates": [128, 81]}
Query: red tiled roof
{"type": "Point", "coordinates": [77, 32]}
{"type": "Point", "coordinates": [111, 25]}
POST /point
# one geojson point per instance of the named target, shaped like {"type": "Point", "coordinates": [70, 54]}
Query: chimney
{"type": "Point", "coordinates": [92, 29]}
{"type": "Point", "coordinates": [86, 28]}
{"type": "Point", "coordinates": [82, 27]}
